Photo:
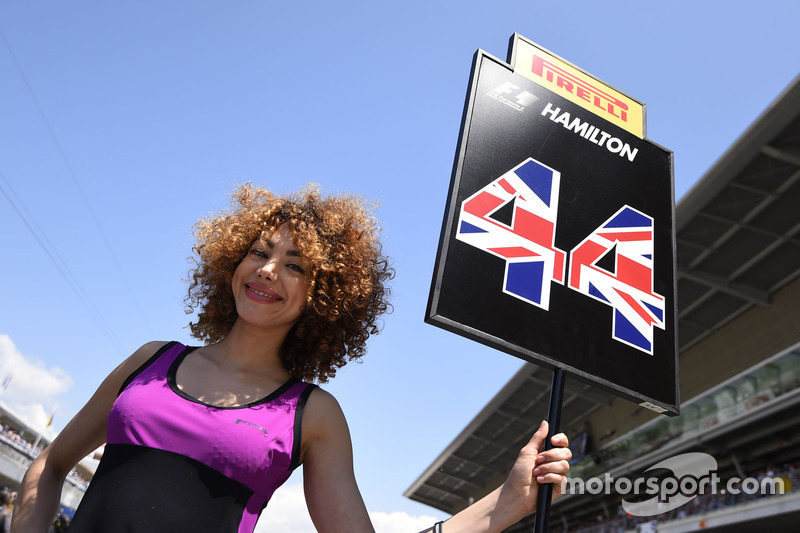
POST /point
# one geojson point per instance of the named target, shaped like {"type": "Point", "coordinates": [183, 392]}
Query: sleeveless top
{"type": "Point", "coordinates": [173, 463]}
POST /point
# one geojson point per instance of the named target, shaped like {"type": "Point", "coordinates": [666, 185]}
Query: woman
{"type": "Point", "coordinates": [287, 291]}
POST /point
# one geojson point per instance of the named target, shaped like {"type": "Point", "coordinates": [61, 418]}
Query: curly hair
{"type": "Point", "coordinates": [346, 294]}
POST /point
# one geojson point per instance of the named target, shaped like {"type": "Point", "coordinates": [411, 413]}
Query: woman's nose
{"type": "Point", "coordinates": [268, 270]}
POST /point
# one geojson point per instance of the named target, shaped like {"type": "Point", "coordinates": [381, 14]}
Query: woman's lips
{"type": "Point", "coordinates": [260, 293]}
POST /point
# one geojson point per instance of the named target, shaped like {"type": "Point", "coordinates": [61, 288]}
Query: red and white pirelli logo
{"type": "Point", "coordinates": [575, 85]}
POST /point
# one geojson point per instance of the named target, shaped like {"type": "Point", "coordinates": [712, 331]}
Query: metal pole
{"type": "Point", "coordinates": [554, 421]}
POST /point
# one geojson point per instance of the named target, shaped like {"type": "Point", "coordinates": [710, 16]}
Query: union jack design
{"type": "Point", "coordinates": [614, 265]}
{"type": "Point", "coordinates": [514, 217]}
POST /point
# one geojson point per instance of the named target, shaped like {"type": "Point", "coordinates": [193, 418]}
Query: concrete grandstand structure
{"type": "Point", "coordinates": [738, 260]}
{"type": "Point", "coordinates": [20, 443]}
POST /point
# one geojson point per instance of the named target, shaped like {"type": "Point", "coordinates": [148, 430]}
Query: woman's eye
{"type": "Point", "coordinates": [297, 268]}
{"type": "Point", "coordinates": [260, 254]}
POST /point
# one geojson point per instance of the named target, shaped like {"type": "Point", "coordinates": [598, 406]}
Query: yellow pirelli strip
{"type": "Point", "coordinates": [555, 74]}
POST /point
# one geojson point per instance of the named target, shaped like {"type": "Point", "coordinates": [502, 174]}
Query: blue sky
{"type": "Point", "coordinates": [121, 124]}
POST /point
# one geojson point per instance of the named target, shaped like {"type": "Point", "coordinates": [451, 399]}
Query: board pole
{"type": "Point", "coordinates": [554, 421]}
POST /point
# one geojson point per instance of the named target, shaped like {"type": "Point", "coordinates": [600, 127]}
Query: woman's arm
{"type": "Point", "coordinates": [40, 492]}
{"type": "Point", "coordinates": [334, 501]}
{"type": "Point", "coordinates": [516, 498]}
{"type": "Point", "coordinates": [336, 505]}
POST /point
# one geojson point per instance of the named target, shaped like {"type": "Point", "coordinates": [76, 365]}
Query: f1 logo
{"type": "Point", "coordinates": [509, 94]}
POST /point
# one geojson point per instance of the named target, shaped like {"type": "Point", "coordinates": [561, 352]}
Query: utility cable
{"type": "Point", "coordinates": [61, 265]}
{"type": "Point", "coordinates": [72, 175]}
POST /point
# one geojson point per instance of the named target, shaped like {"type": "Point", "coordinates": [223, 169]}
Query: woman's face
{"type": "Point", "coordinates": [269, 285]}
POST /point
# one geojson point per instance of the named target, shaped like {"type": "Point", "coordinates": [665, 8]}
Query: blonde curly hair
{"type": "Point", "coordinates": [346, 294]}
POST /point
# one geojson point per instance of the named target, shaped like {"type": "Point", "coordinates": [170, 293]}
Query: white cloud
{"type": "Point", "coordinates": [32, 386]}
{"type": "Point", "coordinates": [400, 522]}
{"type": "Point", "coordinates": [287, 513]}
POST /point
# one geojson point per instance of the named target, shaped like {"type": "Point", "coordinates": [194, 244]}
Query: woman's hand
{"type": "Point", "coordinates": [534, 467]}
{"type": "Point", "coordinates": [516, 498]}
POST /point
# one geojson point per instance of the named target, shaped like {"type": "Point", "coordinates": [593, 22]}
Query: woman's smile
{"type": "Point", "coordinates": [260, 293]}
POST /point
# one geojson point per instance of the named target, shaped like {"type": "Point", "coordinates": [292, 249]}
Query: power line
{"type": "Point", "coordinates": [52, 253]}
{"type": "Point", "coordinates": [75, 181]}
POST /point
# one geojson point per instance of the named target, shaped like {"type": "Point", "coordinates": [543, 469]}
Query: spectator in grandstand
{"type": "Point", "coordinates": [287, 290]}
{"type": "Point", "coordinates": [6, 510]}
{"type": "Point", "coordinates": [60, 524]}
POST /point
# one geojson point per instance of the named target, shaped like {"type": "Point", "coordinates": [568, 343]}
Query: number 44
{"type": "Point", "coordinates": [514, 218]}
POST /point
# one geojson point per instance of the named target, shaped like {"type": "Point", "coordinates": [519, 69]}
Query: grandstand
{"type": "Point", "coordinates": [738, 263]}
{"type": "Point", "coordinates": [20, 444]}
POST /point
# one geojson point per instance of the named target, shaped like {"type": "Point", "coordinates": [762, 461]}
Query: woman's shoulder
{"type": "Point", "coordinates": [325, 431]}
{"type": "Point", "coordinates": [322, 413]}
{"type": "Point", "coordinates": [152, 347]}
{"type": "Point", "coordinates": [148, 350]}
{"type": "Point", "coordinates": [138, 358]}
{"type": "Point", "coordinates": [320, 401]}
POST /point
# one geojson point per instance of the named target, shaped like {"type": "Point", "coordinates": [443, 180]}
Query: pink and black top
{"type": "Point", "coordinates": [173, 463]}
